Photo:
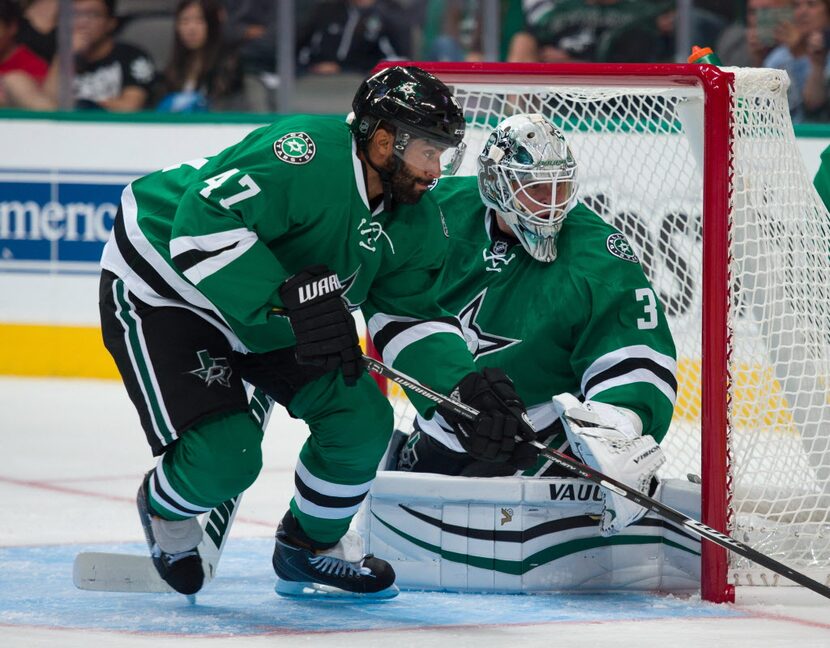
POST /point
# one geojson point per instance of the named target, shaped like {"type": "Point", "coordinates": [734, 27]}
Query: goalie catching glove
{"type": "Point", "coordinates": [502, 426]}
{"type": "Point", "coordinates": [323, 326]}
{"type": "Point", "coordinates": [605, 438]}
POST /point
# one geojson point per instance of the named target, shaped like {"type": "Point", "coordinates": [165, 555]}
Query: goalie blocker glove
{"type": "Point", "coordinates": [323, 326]}
{"type": "Point", "coordinates": [605, 438]}
{"type": "Point", "coordinates": [502, 426]}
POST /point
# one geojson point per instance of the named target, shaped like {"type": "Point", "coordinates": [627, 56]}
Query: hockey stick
{"type": "Point", "coordinates": [114, 572]}
{"type": "Point", "coordinates": [581, 470]}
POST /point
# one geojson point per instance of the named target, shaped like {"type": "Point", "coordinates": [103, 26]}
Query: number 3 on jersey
{"type": "Point", "coordinates": [249, 187]}
{"type": "Point", "coordinates": [650, 308]}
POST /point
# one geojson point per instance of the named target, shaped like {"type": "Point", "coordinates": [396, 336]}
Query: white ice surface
{"type": "Point", "coordinates": [72, 457]}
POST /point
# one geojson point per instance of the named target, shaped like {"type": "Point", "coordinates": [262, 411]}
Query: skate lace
{"type": "Point", "coordinates": [339, 567]}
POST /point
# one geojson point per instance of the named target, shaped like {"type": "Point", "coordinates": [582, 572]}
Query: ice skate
{"type": "Point", "coordinates": [342, 571]}
{"type": "Point", "coordinates": [178, 562]}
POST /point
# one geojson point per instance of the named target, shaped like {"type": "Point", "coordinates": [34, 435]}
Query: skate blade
{"type": "Point", "coordinates": [294, 589]}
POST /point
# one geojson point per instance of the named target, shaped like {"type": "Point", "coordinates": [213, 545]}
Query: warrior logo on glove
{"type": "Point", "coordinates": [310, 291]}
{"type": "Point", "coordinates": [321, 321]}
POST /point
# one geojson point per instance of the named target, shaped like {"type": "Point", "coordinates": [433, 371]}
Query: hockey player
{"type": "Point", "coordinates": [555, 297]}
{"type": "Point", "coordinates": [244, 266]}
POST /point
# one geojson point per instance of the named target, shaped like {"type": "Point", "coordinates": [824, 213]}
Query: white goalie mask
{"type": "Point", "coordinates": [527, 173]}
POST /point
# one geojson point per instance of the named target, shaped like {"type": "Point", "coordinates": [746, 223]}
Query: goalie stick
{"type": "Point", "coordinates": [581, 470]}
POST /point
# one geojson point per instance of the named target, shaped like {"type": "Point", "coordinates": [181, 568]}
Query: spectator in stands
{"type": "Point", "coordinates": [803, 54]}
{"type": "Point", "coordinates": [705, 28]}
{"type": "Point", "coordinates": [22, 72]}
{"type": "Point", "coordinates": [452, 30]}
{"type": "Point", "coordinates": [250, 26]}
{"type": "Point", "coordinates": [352, 36]}
{"type": "Point", "coordinates": [203, 73]}
{"type": "Point", "coordinates": [748, 44]}
{"type": "Point", "coordinates": [559, 31]}
{"type": "Point", "coordinates": [108, 75]}
{"type": "Point", "coordinates": [726, 11]}
{"type": "Point", "coordinates": [39, 26]}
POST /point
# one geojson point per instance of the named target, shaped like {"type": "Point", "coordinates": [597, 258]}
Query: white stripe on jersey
{"type": "Point", "coordinates": [410, 335]}
{"type": "Point", "coordinates": [637, 376]}
{"type": "Point", "coordinates": [113, 261]}
{"type": "Point", "coordinates": [608, 360]}
{"type": "Point", "coordinates": [244, 239]}
{"type": "Point", "coordinates": [148, 252]}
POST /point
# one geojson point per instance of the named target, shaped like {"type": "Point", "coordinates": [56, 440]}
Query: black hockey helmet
{"type": "Point", "coordinates": [411, 100]}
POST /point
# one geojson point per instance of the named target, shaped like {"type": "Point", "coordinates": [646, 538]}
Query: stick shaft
{"type": "Point", "coordinates": [581, 470]}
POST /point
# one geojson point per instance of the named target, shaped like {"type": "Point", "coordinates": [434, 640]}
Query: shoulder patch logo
{"type": "Point", "coordinates": [295, 148]}
{"type": "Point", "coordinates": [619, 246]}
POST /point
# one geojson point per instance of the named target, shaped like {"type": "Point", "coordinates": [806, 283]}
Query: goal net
{"type": "Point", "coordinates": [699, 167]}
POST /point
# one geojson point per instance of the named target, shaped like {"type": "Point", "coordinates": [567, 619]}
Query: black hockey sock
{"type": "Point", "coordinates": [295, 534]}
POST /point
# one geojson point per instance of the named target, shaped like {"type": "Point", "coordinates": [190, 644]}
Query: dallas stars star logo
{"type": "Point", "coordinates": [485, 342]}
{"type": "Point", "coordinates": [295, 148]}
{"type": "Point", "coordinates": [212, 370]}
{"type": "Point", "coordinates": [347, 284]}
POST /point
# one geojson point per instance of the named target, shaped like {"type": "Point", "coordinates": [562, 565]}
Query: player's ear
{"type": "Point", "coordinates": [382, 142]}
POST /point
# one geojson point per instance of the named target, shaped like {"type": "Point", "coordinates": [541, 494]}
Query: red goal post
{"type": "Point", "coordinates": [699, 145]}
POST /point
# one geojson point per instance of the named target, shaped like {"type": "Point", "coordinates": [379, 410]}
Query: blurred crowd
{"type": "Point", "coordinates": [221, 55]}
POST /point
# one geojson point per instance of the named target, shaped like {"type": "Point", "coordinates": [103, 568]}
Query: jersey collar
{"type": "Point", "coordinates": [495, 234]}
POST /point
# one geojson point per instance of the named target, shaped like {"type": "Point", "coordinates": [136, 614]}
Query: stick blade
{"type": "Point", "coordinates": [111, 572]}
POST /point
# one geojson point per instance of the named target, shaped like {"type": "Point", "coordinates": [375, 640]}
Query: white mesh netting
{"type": "Point", "coordinates": [640, 155]}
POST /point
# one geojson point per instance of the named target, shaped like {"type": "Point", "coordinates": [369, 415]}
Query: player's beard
{"type": "Point", "coordinates": [407, 188]}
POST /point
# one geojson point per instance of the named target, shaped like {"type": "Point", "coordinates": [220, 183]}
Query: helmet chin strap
{"type": "Point", "coordinates": [385, 176]}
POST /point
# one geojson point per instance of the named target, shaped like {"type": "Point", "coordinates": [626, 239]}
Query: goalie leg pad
{"type": "Point", "coordinates": [516, 534]}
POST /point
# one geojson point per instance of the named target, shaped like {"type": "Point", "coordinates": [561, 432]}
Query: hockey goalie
{"type": "Point", "coordinates": [554, 300]}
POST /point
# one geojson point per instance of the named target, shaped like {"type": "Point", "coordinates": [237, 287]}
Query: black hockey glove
{"type": "Point", "coordinates": [324, 327]}
{"type": "Point", "coordinates": [502, 418]}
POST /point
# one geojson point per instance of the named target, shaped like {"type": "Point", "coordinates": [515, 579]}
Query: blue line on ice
{"type": "Point", "coordinates": [36, 590]}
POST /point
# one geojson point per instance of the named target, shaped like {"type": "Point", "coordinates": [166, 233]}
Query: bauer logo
{"type": "Point", "coordinates": [56, 220]}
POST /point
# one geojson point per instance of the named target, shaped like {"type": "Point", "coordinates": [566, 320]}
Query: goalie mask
{"type": "Point", "coordinates": [527, 173]}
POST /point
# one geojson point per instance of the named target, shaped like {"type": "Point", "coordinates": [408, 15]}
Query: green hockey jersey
{"type": "Point", "coordinates": [589, 323]}
{"type": "Point", "coordinates": [219, 235]}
